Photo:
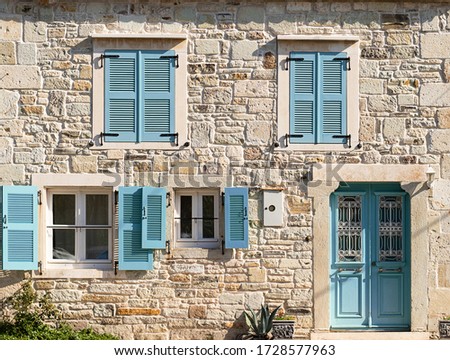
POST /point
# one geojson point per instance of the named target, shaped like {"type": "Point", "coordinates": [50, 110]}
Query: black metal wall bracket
{"type": "Point", "coordinates": [288, 60]}
{"type": "Point", "coordinates": [344, 59]}
{"type": "Point", "coordinates": [103, 56]}
{"type": "Point", "coordinates": [116, 267]}
{"type": "Point", "coordinates": [175, 135]}
{"type": "Point", "coordinates": [348, 137]}
{"type": "Point", "coordinates": [176, 57]}
{"type": "Point", "coordinates": [39, 197]}
{"type": "Point", "coordinates": [168, 246]}
{"type": "Point", "coordinates": [289, 136]}
{"type": "Point", "coordinates": [103, 135]}
{"type": "Point", "coordinates": [40, 267]}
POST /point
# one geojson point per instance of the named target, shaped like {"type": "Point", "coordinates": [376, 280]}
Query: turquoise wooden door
{"type": "Point", "coordinates": [370, 257]}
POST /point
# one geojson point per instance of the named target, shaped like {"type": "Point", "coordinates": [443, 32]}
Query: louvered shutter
{"type": "Point", "coordinates": [332, 97]}
{"type": "Point", "coordinates": [121, 96]}
{"type": "Point", "coordinates": [236, 218]}
{"type": "Point", "coordinates": [303, 97]}
{"type": "Point", "coordinates": [20, 228]}
{"type": "Point", "coordinates": [131, 254]}
{"type": "Point", "coordinates": [154, 218]}
{"type": "Point", "coordinates": [157, 95]}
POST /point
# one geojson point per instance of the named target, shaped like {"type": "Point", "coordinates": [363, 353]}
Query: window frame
{"type": "Point", "coordinates": [80, 229]}
{"type": "Point", "coordinates": [196, 204]}
{"type": "Point", "coordinates": [138, 42]}
{"type": "Point", "coordinates": [288, 44]}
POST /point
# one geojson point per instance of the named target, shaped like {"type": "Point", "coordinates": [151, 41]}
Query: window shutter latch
{"type": "Point", "coordinates": [288, 136]}
{"type": "Point", "coordinates": [348, 137]}
{"type": "Point", "coordinates": [103, 135]}
{"type": "Point", "coordinates": [289, 59]}
{"type": "Point", "coordinates": [177, 65]}
{"type": "Point", "coordinates": [175, 135]}
{"type": "Point", "coordinates": [347, 59]}
{"type": "Point", "coordinates": [103, 56]}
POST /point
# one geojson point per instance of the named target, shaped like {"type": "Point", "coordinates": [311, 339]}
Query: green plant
{"type": "Point", "coordinates": [260, 323]}
{"type": "Point", "coordinates": [30, 318]}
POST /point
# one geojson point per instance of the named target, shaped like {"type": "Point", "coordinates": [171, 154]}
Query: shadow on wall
{"type": "Point", "coordinates": [10, 282]}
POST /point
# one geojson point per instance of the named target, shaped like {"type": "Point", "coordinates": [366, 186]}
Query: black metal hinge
{"type": "Point", "coordinates": [177, 65]}
{"type": "Point", "coordinates": [347, 59]}
{"type": "Point", "coordinates": [39, 197]}
{"type": "Point", "coordinates": [103, 56]}
{"type": "Point", "coordinates": [289, 59]}
{"type": "Point", "coordinates": [168, 246]}
{"type": "Point", "coordinates": [348, 137]}
{"type": "Point", "coordinates": [175, 135]}
{"type": "Point", "coordinates": [289, 136]}
{"type": "Point", "coordinates": [103, 135]}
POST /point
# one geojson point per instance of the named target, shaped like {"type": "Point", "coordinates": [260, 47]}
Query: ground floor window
{"type": "Point", "coordinates": [197, 218]}
{"type": "Point", "coordinates": [79, 226]}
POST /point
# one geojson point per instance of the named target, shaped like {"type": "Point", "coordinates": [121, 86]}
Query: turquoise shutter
{"type": "Point", "coordinates": [302, 90]}
{"type": "Point", "coordinates": [154, 218]}
{"type": "Point", "coordinates": [157, 95]}
{"type": "Point", "coordinates": [121, 97]}
{"type": "Point", "coordinates": [131, 254]}
{"type": "Point", "coordinates": [20, 228]}
{"type": "Point", "coordinates": [236, 218]}
{"type": "Point", "coordinates": [332, 109]}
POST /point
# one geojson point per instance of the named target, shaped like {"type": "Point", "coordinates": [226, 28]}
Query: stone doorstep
{"type": "Point", "coordinates": [370, 335]}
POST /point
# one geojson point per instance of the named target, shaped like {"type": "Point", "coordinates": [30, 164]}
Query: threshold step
{"type": "Point", "coordinates": [370, 335]}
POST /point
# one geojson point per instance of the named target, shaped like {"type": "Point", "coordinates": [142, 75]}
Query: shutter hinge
{"type": "Point", "coordinates": [289, 59]}
{"type": "Point", "coordinates": [103, 135]}
{"type": "Point", "coordinates": [347, 59]}
{"type": "Point", "coordinates": [116, 267]}
{"type": "Point", "coordinates": [222, 195]}
{"type": "Point", "coordinates": [40, 267]}
{"type": "Point", "coordinates": [177, 65]}
{"type": "Point", "coordinates": [116, 197]}
{"type": "Point", "coordinates": [223, 246]}
{"type": "Point", "coordinates": [39, 197]}
{"type": "Point", "coordinates": [103, 56]}
{"type": "Point", "coordinates": [175, 135]}
{"type": "Point", "coordinates": [348, 137]}
{"type": "Point", "coordinates": [168, 246]}
{"type": "Point", "coordinates": [168, 199]}
{"type": "Point", "coordinates": [288, 136]}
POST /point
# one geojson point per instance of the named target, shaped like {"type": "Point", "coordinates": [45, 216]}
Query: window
{"type": "Point", "coordinates": [318, 92]}
{"type": "Point", "coordinates": [139, 96]}
{"type": "Point", "coordinates": [79, 227]}
{"type": "Point", "coordinates": [197, 219]}
{"type": "Point", "coordinates": [139, 91]}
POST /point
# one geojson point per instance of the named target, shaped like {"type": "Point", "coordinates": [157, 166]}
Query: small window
{"type": "Point", "coordinates": [79, 227]}
{"type": "Point", "coordinates": [197, 219]}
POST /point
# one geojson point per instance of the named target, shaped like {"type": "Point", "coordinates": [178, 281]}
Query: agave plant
{"type": "Point", "coordinates": [259, 323]}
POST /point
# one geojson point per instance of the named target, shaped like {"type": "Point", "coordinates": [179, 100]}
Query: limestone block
{"type": "Point", "coordinates": [26, 54]}
{"type": "Point", "coordinates": [439, 141]}
{"type": "Point", "coordinates": [217, 95]}
{"type": "Point", "coordinates": [11, 27]}
{"type": "Point", "coordinates": [435, 45]}
{"type": "Point", "coordinates": [84, 164]}
{"type": "Point", "coordinates": [206, 21]}
{"type": "Point", "coordinates": [104, 310]}
{"type": "Point", "coordinates": [394, 127]}
{"type": "Point", "coordinates": [35, 156]}
{"type": "Point", "coordinates": [8, 104]}
{"type": "Point", "coordinates": [382, 103]}
{"type": "Point", "coordinates": [258, 132]}
{"type": "Point", "coordinates": [367, 129]}
{"type": "Point", "coordinates": [368, 68]}
{"type": "Point", "coordinates": [56, 103]}
{"type": "Point", "coordinates": [35, 31]}
{"type": "Point", "coordinates": [250, 18]}
{"type": "Point", "coordinates": [261, 106]}
{"type": "Point", "coordinates": [283, 24]}
{"type": "Point", "coordinates": [235, 152]}
{"type": "Point", "coordinates": [20, 77]}
{"type": "Point", "coordinates": [197, 311]}
{"type": "Point", "coordinates": [12, 174]}
{"type": "Point", "coordinates": [244, 50]}
{"type": "Point", "coordinates": [200, 134]}
{"type": "Point", "coordinates": [251, 88]}
{"type": "Point", "coordinates": [445, 166]}
{"type": "Point", "coordinates": [429, 20]}
{"type": "Point", "coordinates": [12, 128]}
{"type": "Point", "coordinates": [257, 275]}
{"type": "Point", "coordinates": [203, 80]}
{"type": "Point", "coordinates": [207, 47]}
{"type": "Point", "coordinates": [7, 53]}
{"type": "Point", "coordinates": [231, 299]}
{"type": "Point", "coordinates": [408, 100]}
{"type": "Point", "coordinates": [371, 86]}
{"type": "Point", "coordinates": [399, 38]}
{"type": "Point", "coordinates": [435, 94]}
{"type": "Point", "coordinates": [439, 300]}
{"type": "Point", "coordinates": [132, 23]}
{"type": "Point", "coordinates": [185, 13]}
{"type": "Point", "coordinates": [76, 109]}
{"type": "Point", "coordinates": [5, 151]}
{"type": "Point", "coordinates": [361, 20]}
{"type": "Point", "coordinates": [57, 83]}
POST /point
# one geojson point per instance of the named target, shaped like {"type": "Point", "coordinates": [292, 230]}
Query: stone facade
{"type": "Point", "coordinates": [46, 72]}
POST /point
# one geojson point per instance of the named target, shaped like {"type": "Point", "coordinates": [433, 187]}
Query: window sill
{"type": "Point", "coordinates": [317, 147]}
{"type": "Point", "coordinates": [137, 146]}
{"type": "Point", "coordinates": [79, 274]}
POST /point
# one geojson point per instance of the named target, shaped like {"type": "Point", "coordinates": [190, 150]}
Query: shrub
{"type": "Point", "coordinates": [31, 317]}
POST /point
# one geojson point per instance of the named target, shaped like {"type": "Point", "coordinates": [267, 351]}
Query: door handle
{"type": "Point", "coordinates": [390, 270]}
{"type": "Point", "coordinates": [354, 270]}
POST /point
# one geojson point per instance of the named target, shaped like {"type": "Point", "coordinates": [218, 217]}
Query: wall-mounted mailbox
{"type": "Point", "coordinates": [273, 208]}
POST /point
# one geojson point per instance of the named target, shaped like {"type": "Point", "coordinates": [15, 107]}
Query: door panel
{"type": "Point", "coordinates": [369, 274]}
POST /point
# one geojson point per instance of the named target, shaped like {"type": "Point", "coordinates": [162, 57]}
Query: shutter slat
{"type": "Point", "coordinates": [157, 116]}
{"type": "Point", "coordinates": [131, 254]}
{"type": "Point", "coordinates": [19, 233]}
{"type": "Point", "coordinates": [236, 218]}
{"type": "Point", "coordinates": [154, 225]}
{"type": "Point", "coordinates": [332, 112]}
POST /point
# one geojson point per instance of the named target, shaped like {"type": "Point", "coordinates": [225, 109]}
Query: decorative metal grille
{"type": "Point", "coordinates": [349, 229]}
{"type": "Point", "coordinates": [390, 228]}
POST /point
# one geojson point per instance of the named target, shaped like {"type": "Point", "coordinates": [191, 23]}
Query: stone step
{"type": "Point", "coordinates": [370, 335]}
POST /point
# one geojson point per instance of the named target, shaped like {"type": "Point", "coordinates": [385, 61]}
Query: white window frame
{"type": "Point", "coordinates": [80, 229]}
{"type": "Point", "coordinates": [318, 43]}
{"type": "Point", "coordinates": [104, 42]}
{"type": "Point", "coordinates": [195, 241]}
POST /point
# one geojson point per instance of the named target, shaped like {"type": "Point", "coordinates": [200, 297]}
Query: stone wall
{"type": "Point", "coordinates": [45, 127]}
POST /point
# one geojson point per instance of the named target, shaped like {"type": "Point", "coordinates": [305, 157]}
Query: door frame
{"type": "Point", "coordinates": [325, 180]}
